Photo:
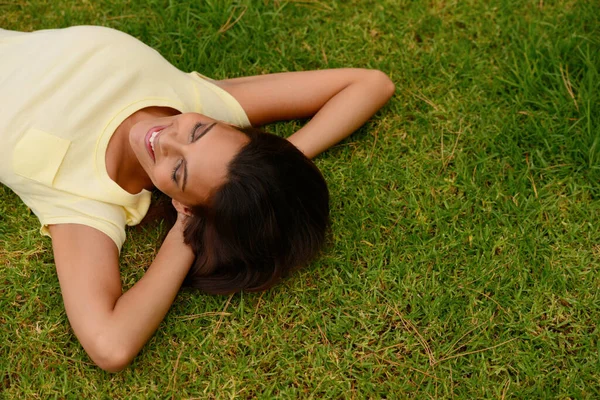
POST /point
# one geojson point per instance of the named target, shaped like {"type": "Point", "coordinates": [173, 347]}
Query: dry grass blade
{"type": "Point", "coordinates": [173, 380]}
{"type": "Point", "coordinates": [409, 326]}
{"type": "Point", "coordinates": [462, 337]}
{"type": "Point", "coordinates": [316, 4]}
{"type": "Point", "coordinates": [446, 161]}
{"type": "Point", "coordinates": [376, 135]}
{"type": "Point", "coordinates": [564, 73]}
{"type": "Point", "coordinates": [202, 315]}
{"type": "Point", "coordinates": [325, 340]}
{"type": "Point", "coordinates": [423, 98]}
{"type": "Point", "coordinates": [531, 176]}
{"type": "Point", "coordinates": [505, 389]}
{"type": "Point", "coordinates": [223, 314]}
{"type": "Point", "coordinates": [475, 351]}
{"type": "Point", "coordinates": [256, 309]}
{"type": "Point", "coordinates": [228, 25]}
{"type": "Point", "coordinates": [486, 296]}
{"type": "Point", "coordinates": [385, 360]}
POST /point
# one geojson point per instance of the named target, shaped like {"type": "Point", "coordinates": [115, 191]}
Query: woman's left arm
{"type": "Point", "coordinates": [338, 100]}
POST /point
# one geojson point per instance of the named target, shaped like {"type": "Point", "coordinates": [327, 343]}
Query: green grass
{"type": "Point", "coordinates": [466, 214]}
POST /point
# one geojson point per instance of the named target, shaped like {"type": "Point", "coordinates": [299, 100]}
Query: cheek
{"type": "Point", "coordinates": [162, 179]}
{"type": "Point", "coordinates": [198, 189]}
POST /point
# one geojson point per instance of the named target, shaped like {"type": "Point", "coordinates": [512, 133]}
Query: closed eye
{"type": "Point", "coordinates": [194, 130]}
{"type": "Point", "coordinates": [204, 132]}
{"type": "Point", "coordinates": [175, 170]}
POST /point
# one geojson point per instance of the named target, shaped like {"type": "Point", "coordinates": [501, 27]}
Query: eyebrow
{"type": "Point", "coordinates": [204, 132]}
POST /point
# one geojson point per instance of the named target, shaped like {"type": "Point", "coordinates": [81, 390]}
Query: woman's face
{"type": "Point", "coordinates": [186, 155]}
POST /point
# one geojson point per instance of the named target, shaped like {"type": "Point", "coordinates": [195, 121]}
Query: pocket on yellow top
{"type": "Point", "coordinates": [38, 156]}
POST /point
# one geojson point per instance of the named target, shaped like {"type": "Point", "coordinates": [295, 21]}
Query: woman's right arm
{"type": "Point", "coordinates": [113, 326]}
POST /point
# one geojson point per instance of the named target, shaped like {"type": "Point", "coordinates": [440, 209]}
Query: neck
{"type": "Point", "coordinates": [122, 164]}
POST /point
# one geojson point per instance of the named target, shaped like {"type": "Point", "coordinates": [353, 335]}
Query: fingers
{"type": "Point", "coordinates": [181, 209]}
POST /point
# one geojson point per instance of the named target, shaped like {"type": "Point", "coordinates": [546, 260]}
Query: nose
{"type": "Point", "coordinates": [168, 143]}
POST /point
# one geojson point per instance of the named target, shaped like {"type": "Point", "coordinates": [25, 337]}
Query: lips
{"type": "Point", "coordinates": [147, 140]}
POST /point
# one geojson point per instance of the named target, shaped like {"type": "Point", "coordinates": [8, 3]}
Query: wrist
{"type": "Point", "coordinates": [176, 238]}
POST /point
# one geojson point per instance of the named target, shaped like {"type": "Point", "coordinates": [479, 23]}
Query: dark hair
{"type": "Point", "coordinates": [269, 217]}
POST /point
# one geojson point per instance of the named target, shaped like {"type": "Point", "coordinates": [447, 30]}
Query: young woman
{"type": "Point", "coordinates": [91, 119]}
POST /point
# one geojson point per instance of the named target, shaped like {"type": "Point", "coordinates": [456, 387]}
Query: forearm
{"type": "Point", "coordinates": [343, 114]}
{"type": "Point", "coordinates": [339, 100]}
{"type": "Point", "coordinates": [139, 311]}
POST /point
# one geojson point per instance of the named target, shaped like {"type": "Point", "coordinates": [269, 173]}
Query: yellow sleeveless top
{"type": "Point", "coordinates": [63, 93]}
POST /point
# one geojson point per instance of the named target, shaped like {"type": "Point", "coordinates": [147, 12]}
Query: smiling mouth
{"type": "Point", "coordinates": [151, 138]}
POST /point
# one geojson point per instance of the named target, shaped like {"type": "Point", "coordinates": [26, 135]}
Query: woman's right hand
{"type": "Point", "coordinates": [183, 213]}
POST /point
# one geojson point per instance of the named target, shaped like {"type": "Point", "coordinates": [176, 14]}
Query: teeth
{"type": "Point", "coordinates": [154, 135]}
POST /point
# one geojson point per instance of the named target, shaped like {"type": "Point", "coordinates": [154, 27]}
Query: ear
{"type": "Point", "coordinates": [181, 209]}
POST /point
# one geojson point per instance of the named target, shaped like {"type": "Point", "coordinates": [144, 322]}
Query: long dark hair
{"type": "Point", "coordinates": [270, 217]}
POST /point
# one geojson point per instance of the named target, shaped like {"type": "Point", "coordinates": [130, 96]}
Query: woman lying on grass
{"type": "Point", "coordinates": [91, 119]}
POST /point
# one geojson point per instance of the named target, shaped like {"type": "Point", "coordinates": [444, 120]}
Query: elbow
{"type": "Point", "coordinates": [380, 82]}
{"type": "Point", "coordinates": [110, 364]}
{"type": "Point", "coordinates": [110, 358]}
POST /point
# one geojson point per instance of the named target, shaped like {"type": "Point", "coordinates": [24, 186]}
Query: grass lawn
{"type": "Point", "coordinates": [465, 251]}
